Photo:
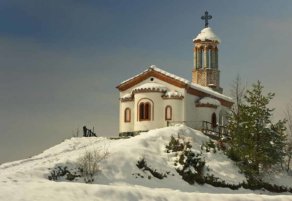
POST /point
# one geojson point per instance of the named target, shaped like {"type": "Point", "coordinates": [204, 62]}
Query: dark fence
{"type": "Point", "coordinates": [213, 131]}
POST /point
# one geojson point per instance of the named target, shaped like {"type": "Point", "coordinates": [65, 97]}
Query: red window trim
{"type": "Point", "coordinates": [127, 119]}
{"type": "Point", "coordinates": [145, 102]}
{"type": "Point", "coordinates": [166, 116]}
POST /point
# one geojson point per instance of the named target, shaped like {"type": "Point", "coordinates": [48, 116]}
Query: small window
{"type": "Point", "coordinates": [168, 113]}
{"type": "Point", "coordinates": [144, 111]}
{"type": "Point", "coordinates": [127, 115]}
{"type": "Point", "coordinates": [214, 120]}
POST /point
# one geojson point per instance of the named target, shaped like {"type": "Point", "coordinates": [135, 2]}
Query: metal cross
{"type": "Point", "coordinates": [206, 17]}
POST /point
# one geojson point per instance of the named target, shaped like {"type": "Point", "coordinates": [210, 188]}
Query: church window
{"type": "Point", "coordinates": [214, 120]}
{"type": "Point", "coordinates": [144, 111]}
{"type": "Point", "coordinates": [168, 113]}
{"type": "Point", "coordinates": [127, 115]}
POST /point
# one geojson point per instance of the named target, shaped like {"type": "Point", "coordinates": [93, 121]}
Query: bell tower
{"type": "Point", "coordinates": [206, 71]}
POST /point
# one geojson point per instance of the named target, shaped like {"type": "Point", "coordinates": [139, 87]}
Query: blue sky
{"type": "Point", "coordinates": [60, 60]}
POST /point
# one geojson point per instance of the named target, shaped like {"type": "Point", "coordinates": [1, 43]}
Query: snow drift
{"type": "Point", "coordinates": [28, 179]}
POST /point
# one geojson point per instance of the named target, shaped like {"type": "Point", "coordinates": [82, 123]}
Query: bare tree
{"type": "Point", "coordinates": [288, 114]}
{"type": "Point", "coordinates": [89, 163]}
{"type": "Point", "coordinates": [237, 92]}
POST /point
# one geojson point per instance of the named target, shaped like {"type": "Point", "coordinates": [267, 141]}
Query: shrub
{"type": "Point", "coordinates": [209, 146]}
{"type": "Point", "coordinates": [142, 165]}
{"type": "Point", "coordinates": [178, 144]}
{"type": "Point", "coordinates": [62, 172]}
{"type": "Point", "coordinates": [89, 164]}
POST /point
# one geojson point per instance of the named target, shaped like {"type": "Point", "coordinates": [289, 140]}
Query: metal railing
{"type": "Point", "coordinates": [215, 132]}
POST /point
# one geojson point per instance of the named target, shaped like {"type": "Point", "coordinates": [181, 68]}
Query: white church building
{"type": "Point", "coordinates": [156, 98]}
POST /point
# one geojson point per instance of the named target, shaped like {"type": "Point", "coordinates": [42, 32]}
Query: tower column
{"type": "Point", "coordinates": [206, 58]}
{"type": "Point", "coordinates": [216, 58]}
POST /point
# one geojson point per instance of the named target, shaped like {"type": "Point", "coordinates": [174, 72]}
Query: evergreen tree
{"type": "Point", "coordinates": [256, 143]}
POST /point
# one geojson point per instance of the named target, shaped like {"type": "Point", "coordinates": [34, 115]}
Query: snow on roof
{"type": "Point", "coordinates": [169, 74]}
{"type": "Point", "coordinates": [172, 94]}
{"type": "Point", "coordinates": [153, 67]}
{"type": "Point", "coordinates": [129, 95]}
{"type": "Point", "coordinates": [207, 34]}
{"type": "Point", "coordinates": [208, 100]}
{"type": "Point", "coordinates": [210, 91]}
{"type": "Point", "coordinates": [190, 84]}
{"type": "Point", "coordinates": [151, 86]}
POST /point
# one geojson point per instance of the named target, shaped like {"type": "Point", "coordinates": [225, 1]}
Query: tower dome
{"type": "Point", "coordinates": [207, 34]}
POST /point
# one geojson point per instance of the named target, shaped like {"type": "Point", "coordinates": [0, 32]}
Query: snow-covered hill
{"type": "Point", "coordinates": [27, 180]}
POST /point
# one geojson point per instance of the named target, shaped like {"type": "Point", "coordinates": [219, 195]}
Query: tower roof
{"type": "Point", "coordinates": [207, 34]}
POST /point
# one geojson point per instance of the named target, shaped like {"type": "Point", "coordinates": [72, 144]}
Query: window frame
{"type": "Point", "coordinates": [127, 115]}
{"type": "Point", "coordinates": [168, 108]}
{"type": "Point", "coordinates": [144, 111]}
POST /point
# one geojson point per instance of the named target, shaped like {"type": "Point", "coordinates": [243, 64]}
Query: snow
{"type": "Point", "coordinates": [151, 86]}
{"type": "Point", "coordinates": [26, 180]}
{"type": "Point", "coordinates": [207, 34]}
{"type": "Point", "coordinates": [173, 94]}
{"type": "Point", "coordinates": [169, 74]}
{"type": "Point", "coordinates": [210, 91]}
{"type": "Point", "coordinates": [208, 100]}
{"type": "Point", "coordinates": [153, 67]}
{"type": "Point", "coordinates": [129, 95]}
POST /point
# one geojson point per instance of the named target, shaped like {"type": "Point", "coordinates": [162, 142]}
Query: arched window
{"type": "Point", "coordinates": [144, 111]}
{"type": "Point", "coordinates": [127, 115]}
{"type": "Point", "coordinates": [168, 113]}
{"type": "Point", "coordinates": [214, 120]}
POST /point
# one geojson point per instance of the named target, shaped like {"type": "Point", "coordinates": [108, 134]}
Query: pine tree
{"type": "Point", "coordinates": [256, 143]}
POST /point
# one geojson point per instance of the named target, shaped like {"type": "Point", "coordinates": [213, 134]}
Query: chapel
{"type": "Point", "coordinates": [156, 98]}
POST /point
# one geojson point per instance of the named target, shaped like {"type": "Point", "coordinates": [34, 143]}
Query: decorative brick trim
{"type": "Point", "coordinates": [206, 105]}
{"type": "Point", "coordinates": [172, 97]}
{"type": "Point", "coordinates": [148, 90]}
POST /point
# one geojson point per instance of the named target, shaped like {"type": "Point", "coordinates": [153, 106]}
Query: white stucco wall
{"type": "Point", "coordinates": [195, 115]}
{"type": "Point", "coordinates": [126, 126]}
{"type": "Point", "coordinates": [159, 107]}
{"type": "Point", "coordinates": [177, 109]}
{"type": "Point", "coordinates": [182, 110]}
{"type": "Point", "coordinates": [156, 111]}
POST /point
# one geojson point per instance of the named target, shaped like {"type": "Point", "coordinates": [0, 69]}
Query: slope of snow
{"type": "Point", "coordinates": [27, 179]}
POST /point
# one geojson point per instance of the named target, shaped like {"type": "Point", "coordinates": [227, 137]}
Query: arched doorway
{"type": "Point", "coordinates": [214, 120]}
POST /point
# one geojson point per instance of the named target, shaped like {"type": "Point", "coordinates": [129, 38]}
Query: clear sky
{"type": "Point", "coordinates": [60, 60]}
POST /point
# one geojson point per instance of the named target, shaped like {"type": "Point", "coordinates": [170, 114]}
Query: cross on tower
{"type": "Point", "coordinates": [206, 17]}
